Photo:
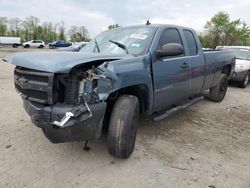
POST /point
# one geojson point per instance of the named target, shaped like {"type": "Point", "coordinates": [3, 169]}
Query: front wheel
{"type": "Point", "coordinates": [217, 93]}
{"type": "Point", "coordinates": [244, 83]}
{"type": "Point", "coordinates": [123, 126]}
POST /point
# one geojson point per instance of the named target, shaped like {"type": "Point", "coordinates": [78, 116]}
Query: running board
{"type": "Point", "coordinates": [177, 109]}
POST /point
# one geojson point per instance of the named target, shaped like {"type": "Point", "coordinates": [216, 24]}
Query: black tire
{"type": "Point", "coordinates": [218, 93]}
{"type": "Point", "coordinates": [14, 45]}
{"type": "Point", "coordinates": [41, 46]}
{"type": "Point", "coordinates": [123, 126]}
{"type": "Point", "coordinates": [244, 83]}
{"type": "Point", "coordinates": [26, 46]}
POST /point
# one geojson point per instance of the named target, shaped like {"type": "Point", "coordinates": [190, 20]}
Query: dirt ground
{"type": "Point", "coordinates": [206, 145]}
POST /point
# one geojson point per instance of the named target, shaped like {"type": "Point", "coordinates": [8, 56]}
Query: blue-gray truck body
{"type": "Point", "coordinates": [54, 83]}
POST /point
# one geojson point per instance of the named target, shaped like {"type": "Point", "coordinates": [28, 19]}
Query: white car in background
{"type": "Point", "coordinates": [34, 43]}
{"type": "Point", "coordinates": [14, 41]}
{"type": "Point", "coordinates": [242, 64]}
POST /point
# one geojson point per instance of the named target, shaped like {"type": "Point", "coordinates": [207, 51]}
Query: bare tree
{"type": "Point", "coordinates": [78, 34]}
{"type": "Point", "coordinates": [15, 26]}
{"type": "Point", "coordinates": [30, 26]}
{"type": "Point", "coordinates": [61, 29]}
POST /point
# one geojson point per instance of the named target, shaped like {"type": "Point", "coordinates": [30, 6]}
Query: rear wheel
{"type": "Point", "coordinates": [217, 93]}
{"type": "Point", "coordinates": [41, 46]}
{"type": "Point", "coordinates": [26, 46]}
{"type": "Point", "coordinates": [123, 126]}
{"type": "Point", "coordinates": [244, 83]}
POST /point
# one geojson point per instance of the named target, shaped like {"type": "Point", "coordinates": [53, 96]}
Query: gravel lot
{"type": "Point", "coordinates": [206, 145]}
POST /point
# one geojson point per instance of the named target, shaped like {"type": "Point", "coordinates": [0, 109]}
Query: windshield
{"type": "Point", "coordinates": [241, 53]}
{"type": "Point", "coordinates": [136, 41]}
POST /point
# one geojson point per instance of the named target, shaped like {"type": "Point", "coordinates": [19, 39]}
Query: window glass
{"type": "Point", "coordinates": [170, 36]}
{"type": "Point", "coordinates": [136, 40]}
{"type": "Point", "coordinates": [192, 47]}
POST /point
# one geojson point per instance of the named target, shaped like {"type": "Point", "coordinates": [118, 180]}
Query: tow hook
{"type": "Point", "coordinates": [75, 112]}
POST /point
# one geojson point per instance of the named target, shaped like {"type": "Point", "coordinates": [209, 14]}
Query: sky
{"type": "Point", "coordinates": [96, 15]}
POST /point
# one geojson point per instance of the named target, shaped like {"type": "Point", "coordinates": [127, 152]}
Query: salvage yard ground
{"type": "Point", "coordinates": [206, 145]}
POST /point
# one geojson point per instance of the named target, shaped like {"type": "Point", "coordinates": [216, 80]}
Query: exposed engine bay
{"type": "Point", "coordinates": [82, 87]}
{"type": "Point", "coordinates": [79, 88]}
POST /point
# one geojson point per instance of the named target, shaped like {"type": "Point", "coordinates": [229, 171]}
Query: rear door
{"type": "Point", "coordinates": [35, 43]}
{"type": "Point", "coordinates": [171, 74]}
{"type": "Point", "coordinates": [196, 62]}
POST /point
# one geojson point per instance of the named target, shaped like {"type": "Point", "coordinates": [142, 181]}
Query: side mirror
{"type": "Point", "coordinates": [171, 49]}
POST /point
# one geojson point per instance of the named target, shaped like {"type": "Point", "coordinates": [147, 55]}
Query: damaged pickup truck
{"type": "Point", "coordinates": [149, 69]}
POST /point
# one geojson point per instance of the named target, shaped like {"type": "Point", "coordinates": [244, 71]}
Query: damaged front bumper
{"type": "Point", "coordinates": [81, 127]}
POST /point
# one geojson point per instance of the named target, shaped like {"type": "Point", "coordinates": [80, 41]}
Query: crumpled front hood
{"type": "Point", "coordinates": [56, 62]}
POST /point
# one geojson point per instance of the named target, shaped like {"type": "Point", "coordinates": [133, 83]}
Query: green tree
{"type": "Point", "coordinates": [31, 28]}
{"type": "Point", "coordinates": [48, 32]}
{"type": "Point", "coordinates": [113, 26]}
{"type": "Point", "coordinates": [3, 26]}
{"type": "Point", "coordinates": [244, 33]}
{"type": "Point", "coordinates": [40, 33]}
{"type": "Point", "coordinates": [221, 31]}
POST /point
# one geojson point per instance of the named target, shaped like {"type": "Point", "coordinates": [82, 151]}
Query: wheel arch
{"type": "Point", "coordinates": [141, 91]}
{"type": "Point", "coordinates": [227, 69]}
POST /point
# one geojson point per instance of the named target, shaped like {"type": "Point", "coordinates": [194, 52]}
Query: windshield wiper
{"type": "Point", "coordinates": [120, 45]}
{"type": "Point", "coordinates": [97, 46]}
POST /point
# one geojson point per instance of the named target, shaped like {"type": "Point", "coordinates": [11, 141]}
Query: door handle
{"type": "Point", "coordinates": [184, 65]}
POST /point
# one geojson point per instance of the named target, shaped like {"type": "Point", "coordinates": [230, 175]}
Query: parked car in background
{"type": "Point", "coordinates": [14, 41]}
{"type": "Point", "coordinates": [207, 49]}
{"type": "Point", "coordinates": [76, 47]}
{"type": "Point", "coordinates": [59, 43]}
{"type": "Point", "coordinates": [34, 43]}
{"type": "Point", "coordinates": [242, 66]}
{"type": "Point", "coordinates": [156, 70]}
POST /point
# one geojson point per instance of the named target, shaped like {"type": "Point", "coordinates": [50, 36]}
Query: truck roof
{"type": "Point", "coordinates": [155, 26]}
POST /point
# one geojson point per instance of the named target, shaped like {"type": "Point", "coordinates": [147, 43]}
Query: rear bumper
{"type": "Point", "coordinates": [79, 127]}
{"type": "Point", "coordinates": [239, 76]}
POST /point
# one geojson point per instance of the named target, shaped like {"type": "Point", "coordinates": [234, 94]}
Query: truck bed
{"type": "Point", "coordinates": [215, 60]}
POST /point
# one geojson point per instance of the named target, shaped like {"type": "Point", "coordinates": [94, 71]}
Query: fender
{"type": "Point", "coordinates": [125, 73]}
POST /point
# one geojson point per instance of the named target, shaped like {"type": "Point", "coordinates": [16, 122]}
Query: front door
{"type": "Point", "coordinates": [171, 74]}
